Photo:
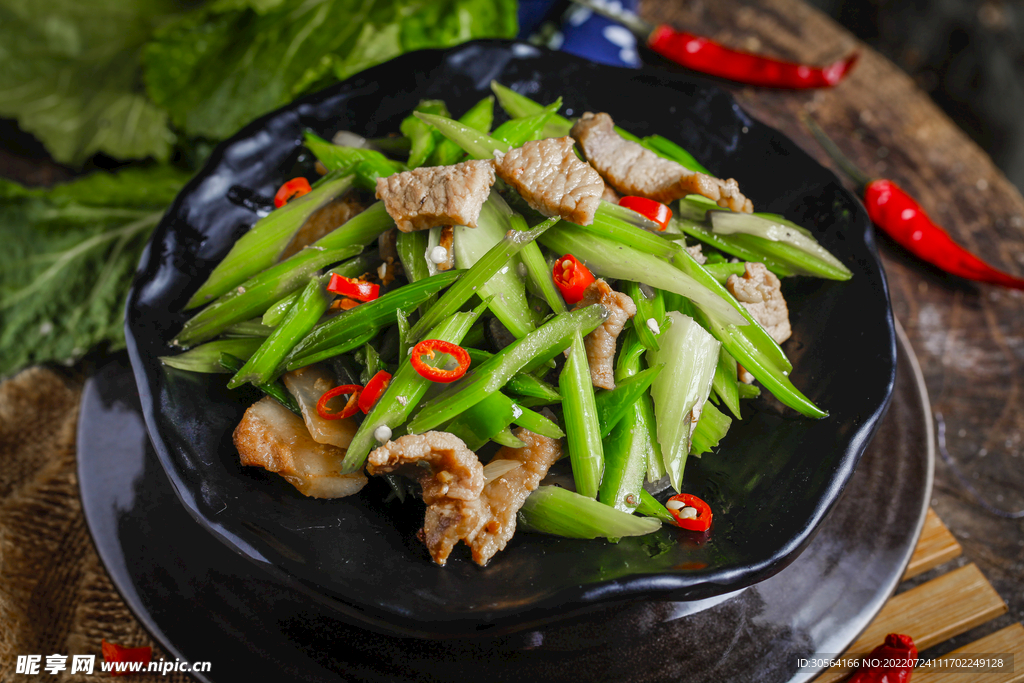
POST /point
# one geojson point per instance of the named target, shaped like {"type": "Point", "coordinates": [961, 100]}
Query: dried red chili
{"type": "Point", "coordinates": [701, 521]}
{"type": "Point", "coordinates": [430, 348]}
{"type": "Point", "coordinates": [891, 662]}
{"type": "Point", "coordinates": [352, 390]}
{"type": "Point", "coordinates": [296, 187]}
{"type": "Point", "coordinates": [903, 219]}
{"type": "Point", "coordinates": [705, 55]}
{"type": "Point", "coordinates": [114, 654]}
{"type": "Point", "coordinates": [353, 288]}
{"type": "Point", "coordinates": [654, 210]}
{"type": "Point", "coordinates": [373, 390]}
{"type": "Point", "coordinates": [572, 278]}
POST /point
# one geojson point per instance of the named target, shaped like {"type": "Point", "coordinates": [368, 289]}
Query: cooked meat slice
{"type": "Point", "coordinates": [697, 254]}
{"type": "Point", "coordinates": [322, 221]}
{"type": "Point", "coordinates": [307, 385]}
{"type": "Point", "coordinates": [451, 477]}
{"type": "Point", "coordinates": [601, 342]}
{"type": "Point", "coordinates": [761, 292]}
{"type": "Point", "coordinates": [502, 498]}
{"type": "Point", "coordinates": [437, 195]}
{"type": "Point", "coordinates": [552, 179]}
{"type": "Point", "coordinates": [274, 438]}
{"type": "Point", "coordinates": [634, 170]}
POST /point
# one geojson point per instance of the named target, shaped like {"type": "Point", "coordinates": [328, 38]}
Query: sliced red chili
{"type": "Point", "coordinates": [656, 211]}
{"type": "Point", "coordinates": [352, 390]}
{"type": "Point", "coordinates": [296, 187]}
{"type": "Point", "coordinates": [430, 348]}
{"type": "Point", "coordinates": [373, 390]}
{"type": "Point", "coordinates": [353, 288]}
{"type": "Point", "coordinates": [114, 653]}
{"type": "Point", "coordinates": [700, 522]}
{"type": "Point", "coordinates": [572, 278]}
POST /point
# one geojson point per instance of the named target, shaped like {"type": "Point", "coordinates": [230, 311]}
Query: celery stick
{"type": "Point", "coordinates": [345, 159]}
{"type": "Point", "coordinates": [483, 270]}
{"type": "Point", "coordinates": [517, 132]}
{"type": "Point", "coordinates": [259, 293]}
{"type": "Point", "coordinates": [579, 410]}
{"type": "Point", "coordinates": [275, 314]}
{"type": "Point", "coordinates": [730, 223]}
{"type": "Point", "coordinates": [527, 353]}
{"type": "Point", "coordinates": [478, 145]}
{"type": "Point", "coordinates": [301, 317]}
{"type": "Point", "coordinates": [509, 304]}
{"type": "Point", "coordinates": [338, 334]}
{"type": "Point", "coordinates": [748, 391]}
{"type": "Point", "coordinates": [262, 245]}
{"type": "Point", "coordinates": [690, 355]}
{"type": "Point", "coordinates": [249, 328]}
{"type": "Point", "coordinates": [650, 507]}
{"type": "Point", "coordinates": [420, 134]}
{"type": "Point", "coordinates": [722, 271]}
{"type": "Point", "coordinates": [614, 404]}
{"type": "Point", "coordinates": [206, 357]}
{"type": "Point", "coordinates": [518, 106]}
{"type": "Point", "coordinates": [479, 117]}
{"type": "Point", "coordinates": [505, 437]}
{"type": "Point", "coordinates": [274, 389]}
{"type": "Point", "coordinates": [725, 384]}
{"type": "Point", "coordinates": [554, 510]}
{"type": "Point", "coordinates": [608, 258]}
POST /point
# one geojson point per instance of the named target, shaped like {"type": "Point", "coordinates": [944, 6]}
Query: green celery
{"type": "Point", "coordinates": [261, 246]}
{"type": "Point", "coordinates": [337, 335]}
{"type": "Point", "coordinates": [554, 510]}
{"type": "Point", "coordinates": [516, 132]}
{"type": "Point", "coordinates": [725, 384]}
{"type": "Point", "coordinates": [345, 159]}
{"type": "Point", "coordinates": [690, 355]}
{"type": "Point", "coordinates": [274, 389]}
{"type": "Point", "coordinates": [478, 145]}
{"type": "Point", "coordinates": [479, 117]}
{"type": "Point", "coordinates": [614, 404]}
{"type": "Point", "coordinates": [709, 430]}
{"type": "Point", "coordinates": [579, 411]}
{"type": "Point", "coordinates": [482, 271]}
{"type": "Point", "coordinates": [651, 507]}
{"type": "Point", "coordinates": [518, 106]}
{"type": "Point", "coordinates": [206, 357]}
{"type": "Point", "coordinates": [420, 134]}
{"type": "Point", "coordinates": [527, 353]}
{"type": "Point", "coordinates": [259, 293]}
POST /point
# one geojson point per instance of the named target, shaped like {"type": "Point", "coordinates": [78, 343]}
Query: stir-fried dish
{"type": "Point", "coordinates": [454, 309]}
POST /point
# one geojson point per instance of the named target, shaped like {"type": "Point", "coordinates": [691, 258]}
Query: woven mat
{"type": "Point", "coordinates": [55, 597]}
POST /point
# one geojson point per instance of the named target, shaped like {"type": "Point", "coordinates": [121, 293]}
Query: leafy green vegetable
{"type": "Point", "coordinates": [68, 258]}
{"type": "Point", "coordinates": [224, 64]}
{"type": "Point", "coordinates": [70, 74]}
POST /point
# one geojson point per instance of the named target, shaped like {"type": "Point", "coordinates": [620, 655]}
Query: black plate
{"type": "Point", "coordinates": [202, 602]}
{"type": "Point", "coordinates": [773, 482]}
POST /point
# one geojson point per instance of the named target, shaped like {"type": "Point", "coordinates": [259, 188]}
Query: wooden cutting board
{"type": "Point", "coordinates": [947, 605]}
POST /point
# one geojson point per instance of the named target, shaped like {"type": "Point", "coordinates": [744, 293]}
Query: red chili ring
{"type": "Point", "coordinates": [428, 347]}
{"type": "Point", "coordinates": [703, 520]}
{"type": "Point", "coordinates": [350, 408]}
{"type": "Point", "coordinates": [296, 187]}
{"type": "Point", "coordinates": [373, 390]}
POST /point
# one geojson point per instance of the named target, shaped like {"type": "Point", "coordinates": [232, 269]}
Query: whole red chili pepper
{"type": "Point", "coordinates": [706, 56]}
{"type": "Point", "coordinates": [903, 219]}
{"type": "Point", "coordinates": [891, 662]}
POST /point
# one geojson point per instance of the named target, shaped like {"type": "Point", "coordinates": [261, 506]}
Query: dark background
{"type": "Point", "coordinates": [967, 55]}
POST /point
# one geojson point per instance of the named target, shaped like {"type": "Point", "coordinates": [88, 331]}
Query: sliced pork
{"type": "Point", "coordinates": [761, 293]}
{"type": "Point", "coordinates": [633, 170]}
{"type": "Point", "coordinates": [552, 179]}
{"type": "Point", "coordinates": [502, 498]}
{"type": "Point", "coordinates": [451, 477]}
{"type": "Point", "coordinates": [437, 195]}
{"type": "Point", "coordinates": [274, 438]}
{"type": "Point", "coordinates": [600, 343]}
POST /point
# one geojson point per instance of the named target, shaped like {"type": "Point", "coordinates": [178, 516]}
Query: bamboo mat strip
{"type": "Point", "coordinates": [1007, 640]}
{"type": "Point", "coordinates": [935, 547]}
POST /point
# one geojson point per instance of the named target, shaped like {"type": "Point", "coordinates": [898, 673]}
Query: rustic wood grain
{"type": "Point", "coordinates": [935, 546]}
{"type": "Point", "coordinates": [1009, 640]}
{"type": "Point", "coordinates": [969, 338]}
{"type": "Point", "coordinates": [930, 614]}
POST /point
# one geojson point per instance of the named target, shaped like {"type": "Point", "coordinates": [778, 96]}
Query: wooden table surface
{"type": "Point", "coordinates": [969, 338]}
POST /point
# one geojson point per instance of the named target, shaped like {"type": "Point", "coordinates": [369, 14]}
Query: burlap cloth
{"type": "Point", "coordinates": [55, 597]}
